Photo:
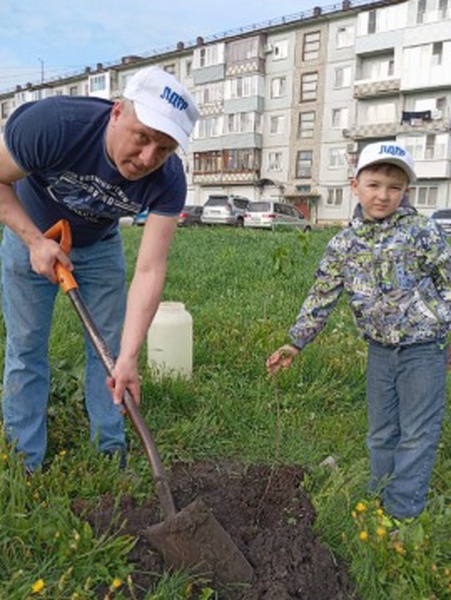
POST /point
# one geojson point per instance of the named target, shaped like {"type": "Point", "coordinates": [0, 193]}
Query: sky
{"type": "Point", "coordinates": [42, 39]}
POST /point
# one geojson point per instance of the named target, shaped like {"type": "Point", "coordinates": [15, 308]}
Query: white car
{"type": "Point", "coordinates": [270, 215]}
{"type": "Point", "coordinates": [221, 209]}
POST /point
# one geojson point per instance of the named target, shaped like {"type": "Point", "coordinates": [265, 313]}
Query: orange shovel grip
{"type": "Point", "coordinates": [61, 232]}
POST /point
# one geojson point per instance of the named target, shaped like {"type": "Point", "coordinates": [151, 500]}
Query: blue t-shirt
{"type": "Point", "coordinates": [60, 143]}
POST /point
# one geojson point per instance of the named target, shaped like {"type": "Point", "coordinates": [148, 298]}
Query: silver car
{"type": "Point", "coordinates": [270, 215]}
{"type": "Point", "coordinates": [443, 218]}
{"type": "Point", "coordinates": [223, 209]}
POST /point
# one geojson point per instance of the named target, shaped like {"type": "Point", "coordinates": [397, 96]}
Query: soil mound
{"type": "Point", "coordinates": [268, 516]}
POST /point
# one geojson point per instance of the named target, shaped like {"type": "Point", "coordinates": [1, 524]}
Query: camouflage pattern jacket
{"type": "Point", "coordinates": [397, 273]}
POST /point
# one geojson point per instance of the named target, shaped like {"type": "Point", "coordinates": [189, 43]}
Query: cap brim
{"type": "Point", "coordinates": [160, 122]}
{"type": "Point", "coordinates": [392, 161]}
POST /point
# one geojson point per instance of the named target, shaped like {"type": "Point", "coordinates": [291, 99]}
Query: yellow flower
{"type": "Point", "coordinates": [360, 507]}
{"type": "Point", "coordinates": [5, 457]}
{"type": "Point", "coordinates": [354, 514]}
{"type": "Point", "coordinates": [363, 535]}
{"type": "Point", "coordinates": [116, 583]}
{"type": "Point", "coordinates": [381, 531]}
{"type": "Point", "coordinates": [399, 548]}
{"type": "Point", "coordinates": [38, 586]}
{"type": "Point", "coordinates": [63, 452]}
{"type": "Point", "coordinates": [380, 512]}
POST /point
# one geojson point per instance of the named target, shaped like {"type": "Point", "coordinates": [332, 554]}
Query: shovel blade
{"type": "Point", "coordinates": [194, 539]}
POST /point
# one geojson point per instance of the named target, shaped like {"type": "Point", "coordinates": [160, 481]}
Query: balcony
{"type": "Point", "coordinates": [373, 130]}
{"type": "Point", "coordinates": [368, 89]}
{"type": "Point", "coordinates": [427, 121]}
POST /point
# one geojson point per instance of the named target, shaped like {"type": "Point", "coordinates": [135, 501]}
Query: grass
{"type": "Point", "coordinates": [243, 289]}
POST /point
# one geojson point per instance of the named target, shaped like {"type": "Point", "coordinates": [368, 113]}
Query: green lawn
{"type": "Point", "coordinates": [243, 289]}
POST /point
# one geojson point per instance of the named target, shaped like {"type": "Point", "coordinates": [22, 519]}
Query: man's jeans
{"type": "Point", "coordinates": [28, 301]}
{"type": "Point", "coordinates": [406, 389]}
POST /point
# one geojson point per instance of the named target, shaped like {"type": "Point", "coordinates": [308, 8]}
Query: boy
{"type": "Point", "coordinates": [396, 267]}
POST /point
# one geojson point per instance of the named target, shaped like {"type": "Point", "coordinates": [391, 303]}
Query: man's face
{"type": "Point", "coordinates": [380, 190]}
{"type": "Point", "coordinates": [135, 149]}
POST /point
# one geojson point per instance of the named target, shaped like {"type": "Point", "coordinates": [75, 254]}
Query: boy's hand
{"type": "Point", "coordinates": [281, 359]}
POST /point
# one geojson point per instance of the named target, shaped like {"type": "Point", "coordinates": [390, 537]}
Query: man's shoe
{"type": "Point", "coordinates": [112, 453]}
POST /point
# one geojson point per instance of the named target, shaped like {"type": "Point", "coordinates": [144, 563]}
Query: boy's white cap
{"type": "Point", "coordinates": [387, 152]}
{"type": "Point", "coordinates": [163, 103]}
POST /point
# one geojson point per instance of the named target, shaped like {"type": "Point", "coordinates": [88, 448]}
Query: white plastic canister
{"type": "Point", "coordinates": [170, 341]}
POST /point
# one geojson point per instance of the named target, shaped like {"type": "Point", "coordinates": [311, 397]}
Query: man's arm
{"type": "Point", "coordinates": [143, 300]}
{"type": "Point", "coordinates": [43, 252]}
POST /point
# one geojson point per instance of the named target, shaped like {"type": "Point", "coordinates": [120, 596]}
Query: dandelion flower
{"type": "Point", "coordinates": [38, 586]}
{"type": "Point", "coordinates": [116, 583]}
{"type": "Point", "coordinates": [360, 507]}
{"type": "Point", "coordinates": [5, 457]}
{"type": "Point", "coordinates": [381, 531]}
{"type": "Point", "coordinates": [380, 512]}
{"type": "Point", "coordinates": [363, 535]}
{"type": "Point", "coordinates": [63, 452]}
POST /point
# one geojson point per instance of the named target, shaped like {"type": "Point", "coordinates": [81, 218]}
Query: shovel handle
{"type": "Point", "coordinates": [60, 232]}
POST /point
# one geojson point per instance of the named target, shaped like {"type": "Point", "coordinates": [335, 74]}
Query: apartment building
{"type": "Point", "coordinates": [286, 108]}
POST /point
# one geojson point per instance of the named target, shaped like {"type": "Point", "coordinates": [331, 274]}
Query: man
{"type": "Point", "coordinates": [89, 161]}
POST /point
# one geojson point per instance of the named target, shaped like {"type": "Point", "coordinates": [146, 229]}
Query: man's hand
{"type": "Point", "coordinates": [281, 359]}
{"type": "Point", "coordinates": [44, 253]}
{"type": "Point", "coordinates": [125, 377]}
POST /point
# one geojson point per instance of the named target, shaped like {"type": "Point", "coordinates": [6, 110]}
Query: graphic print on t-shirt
{"type": "Point", "coordinates": [91, 197]}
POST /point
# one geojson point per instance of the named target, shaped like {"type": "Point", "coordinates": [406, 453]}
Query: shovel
{"type": "Point", "coordinates": [191, 538]}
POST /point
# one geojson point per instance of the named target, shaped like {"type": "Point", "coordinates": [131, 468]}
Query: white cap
{"type": "Point", "coordinates": [163, 103]}
{"type": "Point", "coordinates": [390, 153]}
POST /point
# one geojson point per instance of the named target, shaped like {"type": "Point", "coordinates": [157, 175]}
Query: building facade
{"type": "Point", "coordinates": [287, 107]}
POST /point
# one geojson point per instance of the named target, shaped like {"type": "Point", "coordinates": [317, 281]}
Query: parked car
{"type": "Point", "coordinates": [223, 209]}
{"type": "Point", "coordinates": [269, 215]}
{"type": "Point", "coordinates": [443, 218]}
{"type": "Point", "coordinates": [141, 218]}
{"type": "Point", "coordinates": [190, 215]}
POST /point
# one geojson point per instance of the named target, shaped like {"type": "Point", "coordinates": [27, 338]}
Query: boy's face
{"type": "Point", "coordinates": [380, 189]}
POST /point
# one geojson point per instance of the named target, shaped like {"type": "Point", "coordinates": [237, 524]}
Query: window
{"type": "Point", "coordinates": [304, 161]}
{"type": "Point", "coordinates": [207, 162]}
{"type": "Point", "coordinates": [442, 9]}
{"type": "Point", "coordinates": [247, 159]}
{"type": "Point", "coordinates": [337, 158]}
{"type": "Point", "coordinates": [437, 53]}
{"type": "Point", "coordinates": [371, 21]}
{"type": "Point", "coordinates": [207, 56]}
{"type": "Point", "coordinates": [310, 50]}
{"type": "Point", "coordinates": [209, 93]}
{"type": "Point", "coordinates": [306, 124]}
{"type": "Point", "coordinates": [4, 110]}
{"type": "Point", "coordinates": [210, 127]}
{"type": "Point", "coordinates": [97, 83]}
{"type": "Point", "coordinates": [73, 90]}
{"type": "Point", "coordinates": [169, 69]}
{"type": "Point", "coordinates": [429, 151]}
{"type": "Point", "coordinates": [309, 86]}
{"type": "Point", "coordinates": [243, 122]}
{"type": "Point", "coordinates": [276, 124]}
{"type": "Point", "coordinates": [340, 118]}
{"type": "Point", "coordinates": [424, 196]}
{"type": "Point", "coordinates": [275, 161]}
{"type": "Point", "coordinates": [345, 36]}
{"type": "Point", "coordinates": [278, 87]}
{"type": "Point", "coordinates": [242, 50]}
{"type": "Point", "coordinates": [242, 87]}
{"type": "Point", "coordinates": [380, 113]}
{"type": "Point", "coordinates": [421, 10]}
{"type": "Point", "coordinates": [280, 50]}
{"type": "Point", "coordinates": [342, 77]}
{"type": "Point", "coordinates": [188, 68]}
{"type": "Point", "coordinates": [334, 197]}
{"type": "Point", "coordinates": [375, 68]}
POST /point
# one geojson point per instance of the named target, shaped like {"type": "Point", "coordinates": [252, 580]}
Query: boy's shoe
{"type": "Point", "coordinates": [393, 525]}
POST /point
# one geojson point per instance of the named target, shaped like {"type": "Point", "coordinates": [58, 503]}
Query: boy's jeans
{"type": "Point", "coordinates": [406, 389]}
{"type": "Point", "coordinates": [28, 301]}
